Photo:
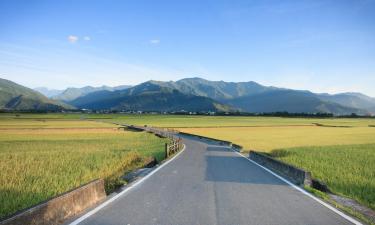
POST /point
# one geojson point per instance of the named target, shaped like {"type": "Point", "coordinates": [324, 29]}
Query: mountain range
{"type": "Point", "coordinates": [16, 97]}
{"type": "Point", "coordinates": [148, 96]}
{"type": "Point", "coordinates": [197, 94]}
{"type": "Point", "coordinates": [48, 92]}
{"type": "Point", "coordinates": [72, 93]}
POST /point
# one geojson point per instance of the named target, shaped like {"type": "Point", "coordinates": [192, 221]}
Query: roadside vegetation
{"type": "Point", "coordinates": [40, 159]}
{"type": "Point", "coordinates": [339, 152]}
{"type": "Point", "coordinates": [348, 170]}
{"type": "Point", "coordinates": [266, 139]}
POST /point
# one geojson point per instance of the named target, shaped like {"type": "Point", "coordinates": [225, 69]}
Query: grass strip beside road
{"type": "Point", "coordinates": [348, 170]}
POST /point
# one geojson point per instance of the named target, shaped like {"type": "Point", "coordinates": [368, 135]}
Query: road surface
{"type": "Point", "coordinates": [210, 184]}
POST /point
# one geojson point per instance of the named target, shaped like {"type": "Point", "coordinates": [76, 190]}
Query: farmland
{"type": "Point", "coordinates": [183, 121]}
{"type": "Point", "coordinates": [88, 149]}
{"type": "Point", "coordinates": [187, 121]}
{"type": "Point", "coordinates": [266, 139]}
{"type": "Point", "coordinates": [40, 158]}
{"type": "Point", "coordinates": [348, 170]}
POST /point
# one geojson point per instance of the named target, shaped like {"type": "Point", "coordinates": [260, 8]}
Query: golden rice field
{"type": "Point", "coordinates": [51, 153]}
{"type": "Point", "coordinates": [184, 121]}
{"type": "Point", "coordinates": [348, 170]}
{"type": "Point", "coordinates": [40, 159]}
{"type": "Point", "coordinates": [269, 138]}
{"type": "Point", "coordinates": [20, 123]}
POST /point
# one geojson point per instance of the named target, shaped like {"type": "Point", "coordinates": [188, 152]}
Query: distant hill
{"type": "Point", "coordinates": [71, 94]}
{"type": "Point", "coordinates": [16, 97]}
{"type": "Point", "coordinates": [290, 101]}
{"type": "Point", "coordinates": [197, 94]}
{"type": "Point", "coordinates": [48, 92]}
{"type": "Point", "coordinates": [254, 97]}
{"type": "Point", "coordinates": [223, 96]}
{"type": "Point", "coordinates": [353, 100]}
{"type": "Point", "coordinates": [218, 90]}
{"type": "Point", "coordinates": [148, 96]}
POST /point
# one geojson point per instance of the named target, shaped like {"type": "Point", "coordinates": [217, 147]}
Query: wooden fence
{"type": "Point", "coordinates": [174, 146]}
{"type": "Point", "coordinates": [175, 143]}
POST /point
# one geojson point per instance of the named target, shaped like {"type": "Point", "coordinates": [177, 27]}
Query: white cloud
{"type": "Point", "coordinates": [155, 41]}
{"type": "Point", "coordinates": [87, 38]}
{"type": "Point", "coordinates": [72, 39]}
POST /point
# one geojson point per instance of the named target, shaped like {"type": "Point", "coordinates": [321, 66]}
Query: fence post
{"type": "Point", "coordinates": [166, 150]}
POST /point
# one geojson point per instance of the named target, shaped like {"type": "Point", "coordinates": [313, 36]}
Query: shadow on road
{"type": "Point", "coordinates": [217, 149]}
{"type": "Point", "coordinates": [229, 168]}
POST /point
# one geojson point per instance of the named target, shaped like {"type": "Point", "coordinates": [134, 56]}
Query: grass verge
{"type": "Point", "coordinates": [325, 197]}
{"type": "Point", "coordinates": [348, 170]}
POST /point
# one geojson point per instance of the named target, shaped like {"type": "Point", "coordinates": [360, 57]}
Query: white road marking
{"type": "Point", "coordinates": [104, 204]}
{"type": "Point", "coordinates": [350, 219]}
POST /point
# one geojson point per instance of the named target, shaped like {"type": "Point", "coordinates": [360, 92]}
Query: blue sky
{"type": "Point", "coordinates": [323, 46]}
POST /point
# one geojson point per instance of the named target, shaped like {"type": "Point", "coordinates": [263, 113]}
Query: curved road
{"type": "Point", "coordinates": [210, 184]}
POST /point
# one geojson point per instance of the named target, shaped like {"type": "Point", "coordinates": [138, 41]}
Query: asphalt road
{"type": "Point", "coordinates": [210, 184]}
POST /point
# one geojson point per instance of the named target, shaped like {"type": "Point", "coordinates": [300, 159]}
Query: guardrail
{"type": "Point", "coordinates": [173, 147]}
{"type": "Point", "coordinates": [295, 175]}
